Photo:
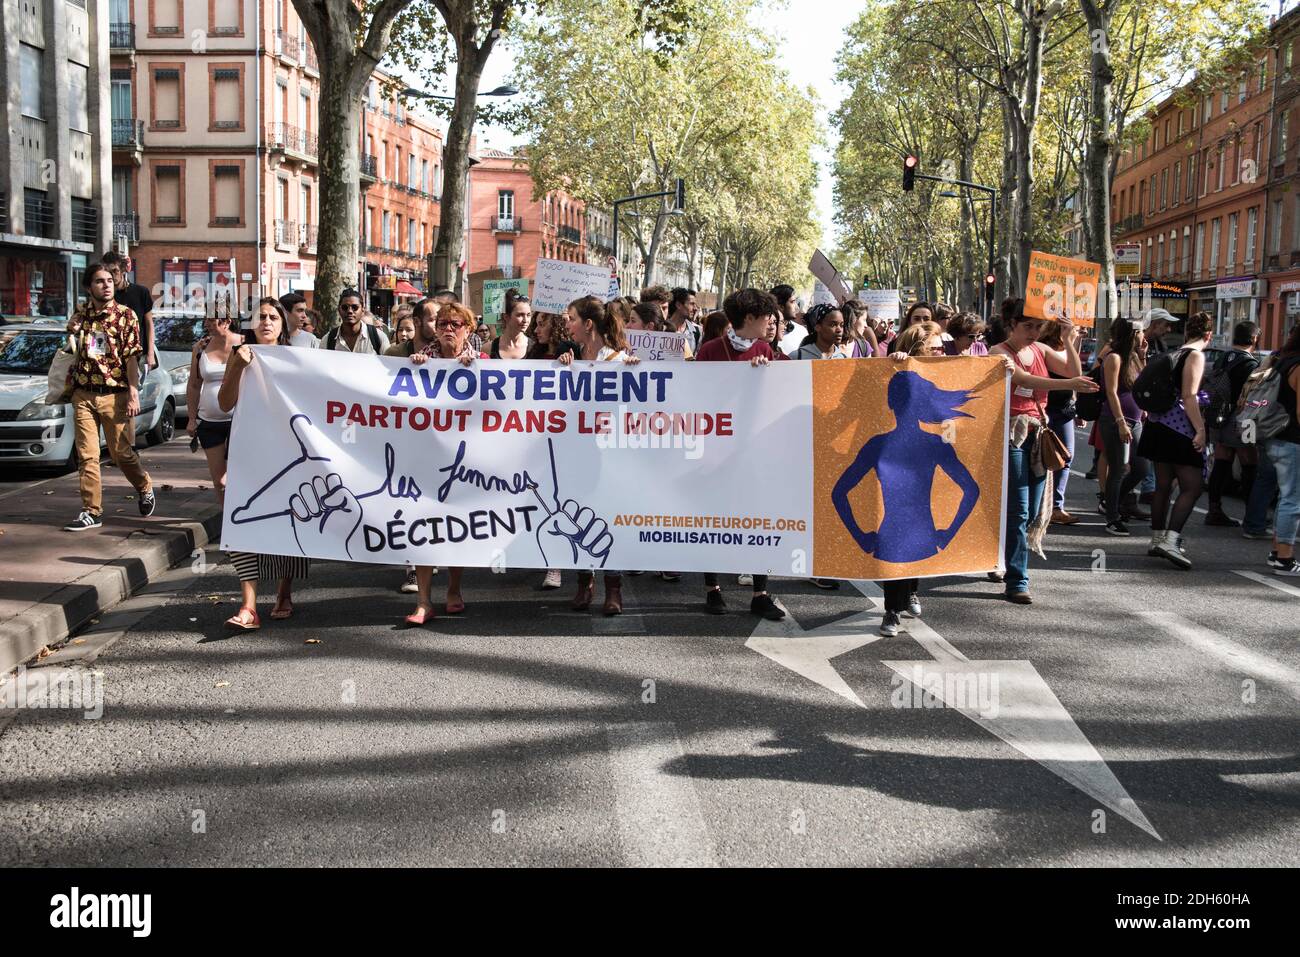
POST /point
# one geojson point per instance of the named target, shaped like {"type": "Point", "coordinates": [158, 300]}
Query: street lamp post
{"type": "Point", "coordinates": [993, 215]}
{"type": "Point", "coordinates": [678, 192]}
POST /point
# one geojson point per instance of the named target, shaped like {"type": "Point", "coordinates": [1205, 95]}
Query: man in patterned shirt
{"type": "Point", "coordinates": [106, 381]}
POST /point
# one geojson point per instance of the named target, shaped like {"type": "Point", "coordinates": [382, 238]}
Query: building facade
{"type": "Point", "coordinates": [1282, 247]}
{"type": "Point", "coordinates": [54, 185]}
{"type": "Point", "coordinates": [1193, 195]}
{"type": "Point", "coordinates": [215, 157]}
{"type": "Point", "coordinates": [511, 229]}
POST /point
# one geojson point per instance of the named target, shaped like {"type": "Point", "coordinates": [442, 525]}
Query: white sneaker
{"type": "Point", "coordinates": [552, 579]}
{"type": "Point", "coordinates": [1170, 548]}
{"type": "Point", "coordinates": [409, 586]}
{"type": "Point", "coordinates": [747, 580]}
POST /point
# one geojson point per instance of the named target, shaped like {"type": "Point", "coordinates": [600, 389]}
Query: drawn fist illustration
{"type": "Point", "coordinates": [579, 528]}
{"type": "Point", "coordinates": [324, 501]}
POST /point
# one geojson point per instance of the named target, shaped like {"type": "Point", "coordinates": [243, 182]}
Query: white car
{"type": "Point", "coordinates": [175, 334]}
{"type": "Point", "coordinates": [38, 435]}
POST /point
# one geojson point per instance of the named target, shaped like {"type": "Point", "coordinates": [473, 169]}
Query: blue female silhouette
{"type": "Point", "coordinates": [905, 460]}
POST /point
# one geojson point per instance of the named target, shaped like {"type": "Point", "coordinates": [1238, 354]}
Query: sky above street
{"type": "Point", "coordinates": [809, 34]}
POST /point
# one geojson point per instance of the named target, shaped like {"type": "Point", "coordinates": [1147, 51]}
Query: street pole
{"type": "Point", "coordinates": [679, 194]}
{"type": "Point", "coordinates": [993, 210]}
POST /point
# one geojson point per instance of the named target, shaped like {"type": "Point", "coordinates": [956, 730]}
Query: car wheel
{"type": "Point", "coordinates": [166, 427]}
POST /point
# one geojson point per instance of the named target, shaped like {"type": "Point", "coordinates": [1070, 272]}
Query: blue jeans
{"type": "Point", "coordinates": [1024, 495]}
{"type": "Point", "coordinates": [1261, 494]}
{"type": "Point", "coordinates": [1064, 429]}
{"type": "Point", "coordinates": [1285, 458]}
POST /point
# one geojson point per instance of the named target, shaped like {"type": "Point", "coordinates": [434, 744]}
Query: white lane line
{"type": "Point", "coordinates": [1270, 581]}
{"type": "Point", "coordinates": [660, 823]}
{"type": "Point", "coordinates": [1237, 658]}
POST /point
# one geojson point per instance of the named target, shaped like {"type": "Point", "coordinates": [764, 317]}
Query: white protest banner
{"type": "Point", "coordinates": [830, 277]}
{"type": "Point", "coordinates": [656, 346]}
{"type": "Point", "coordinates": [821, 295]}
{"type": "Point", "coordinates": [531, 464]}
{"type": "Point", "coordinates": [881, 303]}
{"type": "Point", "coordinates": [558, 283]}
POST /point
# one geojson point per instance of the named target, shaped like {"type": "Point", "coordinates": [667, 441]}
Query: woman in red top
{"type": "Point", "coordinates": [752, 315]}
{"type": "Point", "coordinates": [1030, 363]}
{"type": "Point", "coordinates": [452, 327]}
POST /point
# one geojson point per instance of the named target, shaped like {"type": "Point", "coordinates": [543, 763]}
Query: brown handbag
{"type": "Point", "coordinates": [1052, 453]}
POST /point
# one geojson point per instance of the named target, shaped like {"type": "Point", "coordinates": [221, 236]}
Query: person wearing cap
{"type": "Point", "coordinates": [1156, 324]}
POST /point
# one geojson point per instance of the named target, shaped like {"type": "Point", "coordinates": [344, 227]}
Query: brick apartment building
{"type": "Point", "coordinates": [54, 182]}
{"type": "Point", "coordinates": [1193, 195]}
{"type": "Point", "coordinates": [511, 229]}
{"type": "Point", "coordinates": [215, 168]}
{"type": "Point", "coordinates": [1282, 247]}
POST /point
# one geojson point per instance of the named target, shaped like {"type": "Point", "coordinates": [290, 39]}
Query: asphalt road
{"type": "Point", "coordinates": [524, 733]}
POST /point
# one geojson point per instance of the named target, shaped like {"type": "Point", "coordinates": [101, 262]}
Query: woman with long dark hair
{"type": "Point", "coordinates": [597, 330]}
{"type": "Point", "coordinates": [1120, 422]}
{"type": "Point", "coordinates": [1174, 441]}
{"type": "Point", "coordinates": [270, 328]}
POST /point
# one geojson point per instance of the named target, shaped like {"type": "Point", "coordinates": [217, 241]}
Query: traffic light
{"type": "Point", "coordinates": [990, 281]}
{"type": "Point", "coordinates": [909, 172]}
{"type": "Point", "coordinates": [679, 197]}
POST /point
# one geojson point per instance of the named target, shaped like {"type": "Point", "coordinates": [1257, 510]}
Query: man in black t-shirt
{"type": "Point", "coordinates": [1239, 364]}
{"type": "Point", "coordinates": [137, 298]}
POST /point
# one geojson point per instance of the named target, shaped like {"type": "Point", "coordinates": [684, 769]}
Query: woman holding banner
{"type": "Point", "coordinates": [451, 331]}
{"type": "Point", "coordinates": [1030, 365]}
{"type": "Point", "coordinates": [270, 328]}
{"type": "Point", "coordinates": [597, 330]}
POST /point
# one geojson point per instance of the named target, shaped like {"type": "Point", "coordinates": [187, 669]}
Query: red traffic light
{"type": "Point", "coordinates": [990, 279]}
{"type": "Point", "coordinates": [909, 172]}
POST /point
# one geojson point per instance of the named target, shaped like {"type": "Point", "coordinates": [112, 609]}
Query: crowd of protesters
{"type": "Point", "coordinates": [1164, 457]}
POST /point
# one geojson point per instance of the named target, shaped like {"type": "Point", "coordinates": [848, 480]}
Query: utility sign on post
{"type": "Point", "coordinates": [1128, 260]}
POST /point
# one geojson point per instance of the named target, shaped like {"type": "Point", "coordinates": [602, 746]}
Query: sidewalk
{"type": "Point", "coordinates": [52, 581]}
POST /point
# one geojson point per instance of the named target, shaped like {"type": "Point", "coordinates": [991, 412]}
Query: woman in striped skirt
{"type": "Point", "coordinates": [270, 328]}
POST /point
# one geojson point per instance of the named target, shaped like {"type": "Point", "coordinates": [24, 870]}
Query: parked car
{"type": "Point", "coordinates": [175, 334]}
{"type": "Point", "coordinates": [39, 435]}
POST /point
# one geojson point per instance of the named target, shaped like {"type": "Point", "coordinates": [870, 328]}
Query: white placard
{"type": "Point", "coordinates": [656, 346]}
{"type": "Point", "coordinates": [881, 303]}
{"type": "Point", "coordinates": [558, 283]}
{"type": "Point", "coordinates": [822, 295]}
{"type": "Point", "coordinates": [830, 277]}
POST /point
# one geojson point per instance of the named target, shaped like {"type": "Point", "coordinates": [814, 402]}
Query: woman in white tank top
{"type": "Point", "coordinates": [207, 422]}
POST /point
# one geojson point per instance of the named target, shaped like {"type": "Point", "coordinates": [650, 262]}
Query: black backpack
{"type": "Point", "coordinates": [1087, 405]}
{"type": "Point", "coordinates": [1218, 384]}
{"type": "Point", "coordinates": [331, 340]}
{"type": "Point", "coordinates": [1157, 386]}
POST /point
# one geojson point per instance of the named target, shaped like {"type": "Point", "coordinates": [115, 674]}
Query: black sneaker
{"type": "Point", "coordinates": [826, 584]}
{"type": "Point", "coordinates": [1290, 568]}
{"type": "Point", "coordinates": [764, 607]}
{"type": "Point", "coordinates": [1264, 535]}
{"type": "Point", "coordinates": [1274, 561]}
{"type": "Point", "coordinates": [889, 624]}
{"type": "Point", "coordinates": [147, 503]}
{"type": "Point", "coordinates": [714, 603]}
{"type": "Point", "coordinates": [671, 576]}
{"type": "Point", "coordinates": [84, 521]}
{"type": "Point", "coordinates": [1117, 528]}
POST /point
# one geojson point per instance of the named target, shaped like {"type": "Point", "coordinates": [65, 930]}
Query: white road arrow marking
{"type": "Point", "coordinates": [1028, 716]}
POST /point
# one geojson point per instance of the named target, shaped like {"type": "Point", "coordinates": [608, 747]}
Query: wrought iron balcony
{"type": "Point", "coordinates": [127, 225]}
{"type": "Point", "coordinates": [121, 36]}
{"type": "Point", "coordinates": [292, 139]}
{"type": "Point", "coordinates": [307, 236]}
{"type": "Point", "coordinates": [507, 224]}
{"type": "Point", "coordinates": [286, 45]}
{"type": "Point", "coordinates": [569, 234]}
{"type": "Point", "coordinates": [128, 134]}
{"type": "Point", "coordinates": [369, 166]}
{"type": "Point", "coordinates": [311, 62]}
{"type": "Point", "coordinates": [286, 233]}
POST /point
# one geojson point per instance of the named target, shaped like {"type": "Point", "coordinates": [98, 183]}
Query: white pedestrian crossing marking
{"type": "Point", "coordinates": [1271, 581]}
{"type": "Point", "coordinates": [1236, 657]}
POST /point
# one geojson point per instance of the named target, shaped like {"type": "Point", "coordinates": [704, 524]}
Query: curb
{"type": "Point", "coordinates": [53, 620]}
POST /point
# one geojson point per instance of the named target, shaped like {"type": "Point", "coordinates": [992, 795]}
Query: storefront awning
{"type": "Point", "coordinates": [404, 288]}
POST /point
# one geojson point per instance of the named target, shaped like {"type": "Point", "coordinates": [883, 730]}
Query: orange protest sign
{"type": "Point", "coordinates": [1060, 287]}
